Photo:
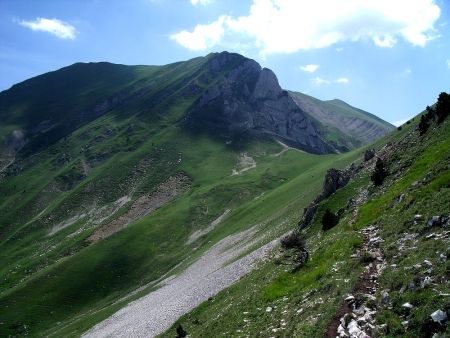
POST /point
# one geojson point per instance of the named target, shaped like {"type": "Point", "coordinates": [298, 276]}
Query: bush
{"type": "Point", "coordinates": [181, 333]}
{"type": "Point", "coordinates": [423, 124]}
{"type": "Point", "coordinates": [292, 240]}
{"type": "Point", "coordinates": [442, 107]}
{"type": "Point", "coordinates": [399, 128]}
{"type": "Point", "coordinates": [380, 173]}
{"type": "Point", "coordinates": [329, 220]}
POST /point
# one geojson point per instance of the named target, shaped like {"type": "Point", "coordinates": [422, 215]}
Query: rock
{"type": "Point", "coordinates": [359, 311]}
{"type": "Point", "coordinates": [439, 316]}
{"type": "Point", "coordinates": [385, 297]}
{"type": "Point", "coordinates": [407, 306]}
{"type": "Point", "coordinates": [354, 329]}
{"type": "Point", "coordinates": [269, 309]}
{"type": "Point", "coordinates": [417, 219]}
{"type": "Point", "coordinates": [401, 198]}
{"type": "Point", "coordinates": [248, 98]}
{"type": "Point", "coordinates": [350, 298]}
{"type": "Point", "coordinates": [427, 263]}
{"type": "Point", "coordinates": [425, 282]}
{"type": "Point", "coordinates": [369, 154]}
{"type": "Point", "coordinates": [405, 323]}
{"type": "Point", "coordinates": [434, 221]}
{"type": "Point", "coordinates": [334, 180]}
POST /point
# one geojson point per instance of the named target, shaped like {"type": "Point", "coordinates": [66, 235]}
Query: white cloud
{"type": "Point", "coordinates": [201, 2]}
{"type": "Point", "coordinates": [286, 26]}
{"type": "Point", "coordinates": [318, 81]}
{"type": "Point", "coordinates": [342, 80]}
{"type": "Point", "coordinates": [202, 37]}
{"type": "Point", "coordinates": [309, 68]}
{"type": "Point", "coordinates": [59, 28]}
{"type": "Point", "coordinates": [385, 41]}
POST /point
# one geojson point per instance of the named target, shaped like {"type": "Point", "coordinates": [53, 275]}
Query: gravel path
{"type": "Point", "coordinates": [156, 312]}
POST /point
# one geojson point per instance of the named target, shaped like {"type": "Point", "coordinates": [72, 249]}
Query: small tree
{"type": "Point", "coordinates": [423, 125]}
{"type": "Point", "coordinates": [329, 220]}
{"type": "Point", "coordinates": [380, 173]}
{"type": "Point", "coordinates": [443, 106]}
{"type": "Point", "coordinates": [181, 333]}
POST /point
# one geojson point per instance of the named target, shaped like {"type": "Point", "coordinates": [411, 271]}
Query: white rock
{"type": "Point", "coordinates": [407, 306]}
{"type": "Point", "coordinates": [426, 281]}
{"type": "Point", "coordinates": [439, 316]}
{"type": "Point", "coordinates": [269, 309]}
{"type": "Point", "coordinates": [353, 328]}
{"type": "Point", "coordinates": [427, 263]}
{"type": "Point", "coordinates": [350, 298]}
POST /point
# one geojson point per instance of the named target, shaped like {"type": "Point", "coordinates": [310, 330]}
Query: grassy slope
{"type": "Point", "coordinates": [38, 284]}
{"type": "Point", "coordinates": [48, 279]}
{"type": "Point", "coordinates": [303, 302]}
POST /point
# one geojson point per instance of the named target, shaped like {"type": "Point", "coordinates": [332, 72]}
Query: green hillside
{"type": "Point", "coordinates": [386, 231]}
{"type": "Point", "coordinates": [341, 122]}
{"type": "Point", "coordinates": [103, 183]}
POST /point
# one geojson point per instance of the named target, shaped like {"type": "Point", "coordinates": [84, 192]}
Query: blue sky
{"type": "Point", "coordinates": [389, 57]}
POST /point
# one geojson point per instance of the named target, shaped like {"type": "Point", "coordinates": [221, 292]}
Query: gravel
{"type": "Point", "coordinates": [156, 312]}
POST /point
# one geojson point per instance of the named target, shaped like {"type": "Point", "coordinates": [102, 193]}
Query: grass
{"type": "Point", "coordinates": [302, 302]}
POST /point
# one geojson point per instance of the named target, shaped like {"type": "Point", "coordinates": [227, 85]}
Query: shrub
{"type": "Point", "coordinates": [292, 240]}
{"type": "Point", "coordinates": [329, 220]}
{"type": "Point", "coordinates": [423, 124]}
{"type": "Point", "coordinates": [443, 106]}
{"type": "Point", "coordinates": [181, 333]}
{"type": "Point", "coordinates": [399, 128]}
{"type": "Point", "coordinates": [380, 173]}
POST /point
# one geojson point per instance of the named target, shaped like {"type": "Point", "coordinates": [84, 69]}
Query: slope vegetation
{"type": "Point", "coordinates": [381, 271]}
{"type": "Point", "coordinates": [107, 173]}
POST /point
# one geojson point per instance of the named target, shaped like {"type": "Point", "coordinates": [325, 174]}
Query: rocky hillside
{"type": "Point", "coordinates": [355, 126]}
{"type": "Point", "coordinates": [377, 238]}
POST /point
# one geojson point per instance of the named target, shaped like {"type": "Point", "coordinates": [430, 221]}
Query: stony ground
{"type": "Point", "coordinates": [213, 272]}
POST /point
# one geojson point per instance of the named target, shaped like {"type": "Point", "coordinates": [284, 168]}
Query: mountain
{"type": "Point", "coordinates": [115, 177]}
{"type": "Point", "coordinates": [225, 91]}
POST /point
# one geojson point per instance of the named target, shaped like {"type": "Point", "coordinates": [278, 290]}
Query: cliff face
{"type": "Point", "coordinates": [249, 98]}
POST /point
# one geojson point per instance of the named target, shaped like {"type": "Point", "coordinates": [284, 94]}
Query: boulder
{"type": "Point", "coordinates": [439, 316]}
{"type": "Point", "coordinates": [369, 154]}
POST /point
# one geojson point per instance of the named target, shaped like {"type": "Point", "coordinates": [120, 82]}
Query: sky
{"type": "Point", "coordinates": [389, 57]}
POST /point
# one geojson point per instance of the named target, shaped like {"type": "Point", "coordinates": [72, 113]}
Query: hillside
{"type": "Point", "coordinates": [353, 127]}
{"type": "Point", "coordinates": [381, 271]}
{"type": "Point", "coordinates": [115, 177]}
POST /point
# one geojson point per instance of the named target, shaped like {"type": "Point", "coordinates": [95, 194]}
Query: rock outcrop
{"type": "Point", "coordinates": [248, 98]}
{"type": "Point", "coordinates": [334, 179]}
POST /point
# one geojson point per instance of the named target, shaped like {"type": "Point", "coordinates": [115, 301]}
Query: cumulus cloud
{"type": "Point", "coordinates": [309, 68]}
{"type": "Point", "coordinates": [202, 37]}
{"type": "Point", "coordinates": [343, 80]}
{"type": "Point", "coordinates": [286, 26]}
{"type": "Point", "coordinates": [59, 28]}
{"type": "Point", "coordinates": [201, 2]}
{"type": "Point", "coordinates": [318, 81]}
